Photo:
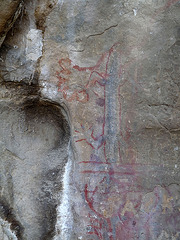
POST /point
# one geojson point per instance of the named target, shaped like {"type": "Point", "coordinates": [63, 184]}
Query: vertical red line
{"type": "Point", "coordinates": [110, 229]}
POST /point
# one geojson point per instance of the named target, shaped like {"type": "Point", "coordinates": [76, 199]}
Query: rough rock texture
{"type": "Point", "coordinates": [10, 11]}
{"type": "Point", "coordinates": [34, 137]}
{"type": "Point", "coordinates": [90, 120]}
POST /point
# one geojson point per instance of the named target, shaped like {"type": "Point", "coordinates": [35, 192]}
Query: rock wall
{"type": "Point", "coordinates": [90, 120]}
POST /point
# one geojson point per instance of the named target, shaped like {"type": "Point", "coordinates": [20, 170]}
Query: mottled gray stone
{"type": "Point", "coordinates": [10, 11]}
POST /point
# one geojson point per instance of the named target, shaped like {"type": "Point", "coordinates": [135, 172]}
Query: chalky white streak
{"type": "Point", "coordinates": [64, 222]}
{"type": "Point", "coordinates": [5, 229]}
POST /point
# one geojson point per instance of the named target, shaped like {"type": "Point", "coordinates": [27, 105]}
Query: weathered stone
{"type": "Point", "coordinates": [34, 138]}
{"type": "Point", "coordinates": [10, 11]}
{"type": "Point", "coordinates": [109, 71]}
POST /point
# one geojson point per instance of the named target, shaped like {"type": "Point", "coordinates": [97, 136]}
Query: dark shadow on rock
{"type": "Point", "coordinates": [36, 138]}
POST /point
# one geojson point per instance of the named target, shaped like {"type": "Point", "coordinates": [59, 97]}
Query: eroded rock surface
{"type": "Point", "coordinates": [90, 121]}
{"type": "Point", "coordinates": [34, 138]}
{"type": "Point", "coordinates": [10, 11]}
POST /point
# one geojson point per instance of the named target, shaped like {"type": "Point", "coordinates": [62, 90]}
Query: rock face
{"type": "Point", "coordinates": [90, 120]}
{"type": "Point", "coordinates": [10, 11]}
{"type": "Point", "coordinates": [34, 138]}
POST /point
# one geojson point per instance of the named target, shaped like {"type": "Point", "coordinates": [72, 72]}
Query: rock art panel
{"type": "Point", "coordinates": [115, 190]}
{"type": "Point", "coordinates": [121, 140]}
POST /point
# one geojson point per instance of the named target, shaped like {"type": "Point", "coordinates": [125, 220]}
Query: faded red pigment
{"type": "Point", "coordinates": [118, 226]}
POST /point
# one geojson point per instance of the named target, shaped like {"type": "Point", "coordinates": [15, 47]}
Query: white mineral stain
{"type": "Point", "coordinates": [45, 72]}
{"type": "Point", "coordinates": [34, 44]}
{"type": "Point", "coordinates": [176, 148]}
{"type": "Point", "coordinates": [64, 222]}
{"type": "Point", "coordinates": [5, 231]}
{"type": "Point", "coordinates": [135, 12]}
{"type": "Point", "coordinates": [49, 90]}
{"type": "Point", "coordinates": [60, 2]}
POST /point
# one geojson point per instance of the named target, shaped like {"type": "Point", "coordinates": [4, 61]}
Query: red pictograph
{"type": "Point", "coordinates": [64, 75]}
{"type": "Point", "coordinates": [103, 208]}
{"type": "Point", "coordinates": [109, 219]}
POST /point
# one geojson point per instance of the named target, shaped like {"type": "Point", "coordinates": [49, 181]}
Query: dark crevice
{"type": "Point", "coordinates": [7, 214]}
{"type": "Point", "coordinates": [41, 111]}
{"type": "Point", "coordinates": [101, 33]}
{"type": "Point", "coordinates": [26, 101]}
{"type": "Point", "coordinates": [41, 14]}
{"type": "Point", "coordinates": [10, 22]}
